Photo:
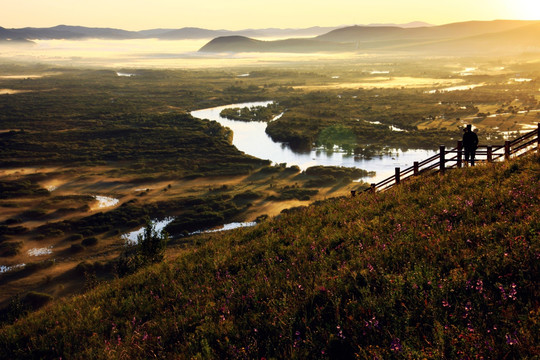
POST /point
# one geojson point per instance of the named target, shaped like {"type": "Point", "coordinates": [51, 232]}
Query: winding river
{"type": "Point", "coordinates": [251, 138]}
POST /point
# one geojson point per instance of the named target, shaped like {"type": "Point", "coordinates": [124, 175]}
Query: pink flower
{"type": "Point", "coordinates": [396, 345]}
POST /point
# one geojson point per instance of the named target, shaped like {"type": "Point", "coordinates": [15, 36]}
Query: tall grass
{"type": "Point", "coordinates": [439, 267]}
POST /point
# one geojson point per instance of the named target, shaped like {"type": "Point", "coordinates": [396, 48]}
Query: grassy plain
{"type": "Point", "coordinates": [69, 134]}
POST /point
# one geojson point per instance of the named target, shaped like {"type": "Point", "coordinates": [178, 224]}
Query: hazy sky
{"type": "Point", "coordinates": [242, 14]}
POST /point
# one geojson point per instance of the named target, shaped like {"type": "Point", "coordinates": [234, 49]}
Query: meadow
{"type": "Point", "coordinates": [438, 267]}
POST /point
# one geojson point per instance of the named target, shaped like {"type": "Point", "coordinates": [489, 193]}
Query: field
{"type": "Point", "coordinates": [69, 135]}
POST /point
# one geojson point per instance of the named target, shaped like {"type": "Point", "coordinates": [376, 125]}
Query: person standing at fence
{"type": "Point", "coordinates": [470, 143]}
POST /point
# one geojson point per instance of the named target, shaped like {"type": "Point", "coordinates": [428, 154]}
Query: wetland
{"type": "Point", "coordinates": [90, 153]}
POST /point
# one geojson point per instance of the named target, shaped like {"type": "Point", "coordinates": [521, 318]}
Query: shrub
{"type": "Point", "coordinates": [54, 233]}
{"type": "Point", "coordinates": [84, 267]}
{"type": "Point", "coordinates": [11, 248]}
{"type": "Point", "coordinates": [12, 221]}
{"type": "Point", "coordinates": [76, 248]}
{"type": "Point", "coordinates": [75, 237]}
{"type": "Point", "coordinates": [91, 241]}
{"type": "Point", "coordinates": [150, 249]}
{"type": "Point", "coordinates": [35, 300]}
{"type": "Point", "coordinates": [34, 214]}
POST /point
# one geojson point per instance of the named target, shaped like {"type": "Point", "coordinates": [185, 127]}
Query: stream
{"type": "Point", "coordinates": [251, 138]}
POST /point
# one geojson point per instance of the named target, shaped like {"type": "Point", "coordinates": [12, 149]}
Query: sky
{"type": "Point", "coordinates": [245, 14]}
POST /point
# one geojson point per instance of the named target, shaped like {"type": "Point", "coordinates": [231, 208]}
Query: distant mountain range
{"type": "Point", "coordinates": [64, 32]}
{"type": "Point", "coordinates": [465, 38]}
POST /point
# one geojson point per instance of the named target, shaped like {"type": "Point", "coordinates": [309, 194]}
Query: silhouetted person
{"type": "Point", "coordinates": [470, 143]}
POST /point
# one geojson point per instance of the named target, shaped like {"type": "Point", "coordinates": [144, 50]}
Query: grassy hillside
{"type": "Point", "coordinates": [442, 267]}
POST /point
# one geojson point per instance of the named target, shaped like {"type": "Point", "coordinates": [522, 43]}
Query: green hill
{"type": "Point", "coordinates": [440, 267]}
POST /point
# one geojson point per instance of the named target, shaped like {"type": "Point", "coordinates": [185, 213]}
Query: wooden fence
{"type": "Point", "coordinates": [454, 158]}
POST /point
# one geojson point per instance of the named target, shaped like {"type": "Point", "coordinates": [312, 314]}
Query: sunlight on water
{"type": "Point", "coordinates": [520, 80]}
{"type": "Point", "coordinates": [40, 251]}
{"type": "Point", "coordinates": [454, 88]}
{"type": "Point", "coordinates": [227, 227]}
{"type": "Point", "coordinates": [121, 74]}
{"type": "Point", "coordinates": [4, 268]}
{"type": "Point", "coordinates": [132, 238]}
{"type": "Point", "coordinates": [251, 138]}
{"type": "Point", "coordinates": [105, 202]}
{"type": "Point", "coordinates": [15, 77]}
{"type": "Point", "coordinates": [12, 91]}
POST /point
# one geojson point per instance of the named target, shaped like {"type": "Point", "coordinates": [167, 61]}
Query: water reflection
{"type": "Point", "coordinates": [105, 202]}
{"type": "Point", "coordinates": [5, 268]}
{"type": "Point", "coordinates": [40, 251]}
{"type": "Point", "coordinates": [132, 238]}
{"type": "Point", "coordinates": [226, 227]}
{"type": "Point", "coordinates": [251, 138]}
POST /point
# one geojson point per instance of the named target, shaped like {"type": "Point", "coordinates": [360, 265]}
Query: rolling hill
{"type": "Point", "coordinates": [466, 38]}
{"type": "Point", "coordinates": [441, 267]}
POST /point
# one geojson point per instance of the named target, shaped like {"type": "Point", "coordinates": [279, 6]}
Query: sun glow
{"type": "Point", "coordinates": [525, 9]}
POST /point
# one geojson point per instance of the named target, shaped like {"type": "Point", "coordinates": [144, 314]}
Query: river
{"type": "Point", "coordinates": [251, 138]}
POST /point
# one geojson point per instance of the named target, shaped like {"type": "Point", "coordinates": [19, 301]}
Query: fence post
{"type": "Point", "coordinates": [442, 160]}
{"type": "Point", "coordinates": [415, 168]}
{"type": "Point", "coordinates": [373, 187]}
{"type": "Point", "coordinates": [507, 150]}
{"type": "Point", "coordinates": [538, 137]}
{"type": "Point", "coordinates": [459, 153]}
{"type": "Point", "coordinates": [489, 153]}
{"type": "Point", "coordinates": [397, 176]}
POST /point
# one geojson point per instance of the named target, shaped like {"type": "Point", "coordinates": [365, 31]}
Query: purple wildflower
{"type": "Point", "coordinates": [395, 345]}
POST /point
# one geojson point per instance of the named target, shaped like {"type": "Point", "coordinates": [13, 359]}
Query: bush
{"type": "Point", "coordinates": [75, 237]}
{"type": "Point", "coordinates": [35, 300]}
{"type": "Point", "coordinates": [54, 233]}
{"type": "Point", "coordinates": [299, 194]}
{"type": "Point", "coordinates": [76, 248]}
{"type": "Point", "coordinates": [12, 221]}
{"type": "Point", "coordinates": [246, 196]}
{"type": "Point", "coordinates": [91, 241]}
{"type": "Point", "coordinates": [84, 267]}
{"type": "Point", "coordinates": [150, 249]}
{"type": "Point", "coordinates": [35, 266]}
{"type": "Point", "coordinates": [10, 248]}
{"type": "Point", "coordinates": [34, 214]}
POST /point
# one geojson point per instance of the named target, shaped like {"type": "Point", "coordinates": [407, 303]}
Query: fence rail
{"type": "Point", "coordinates": [453, 158]}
